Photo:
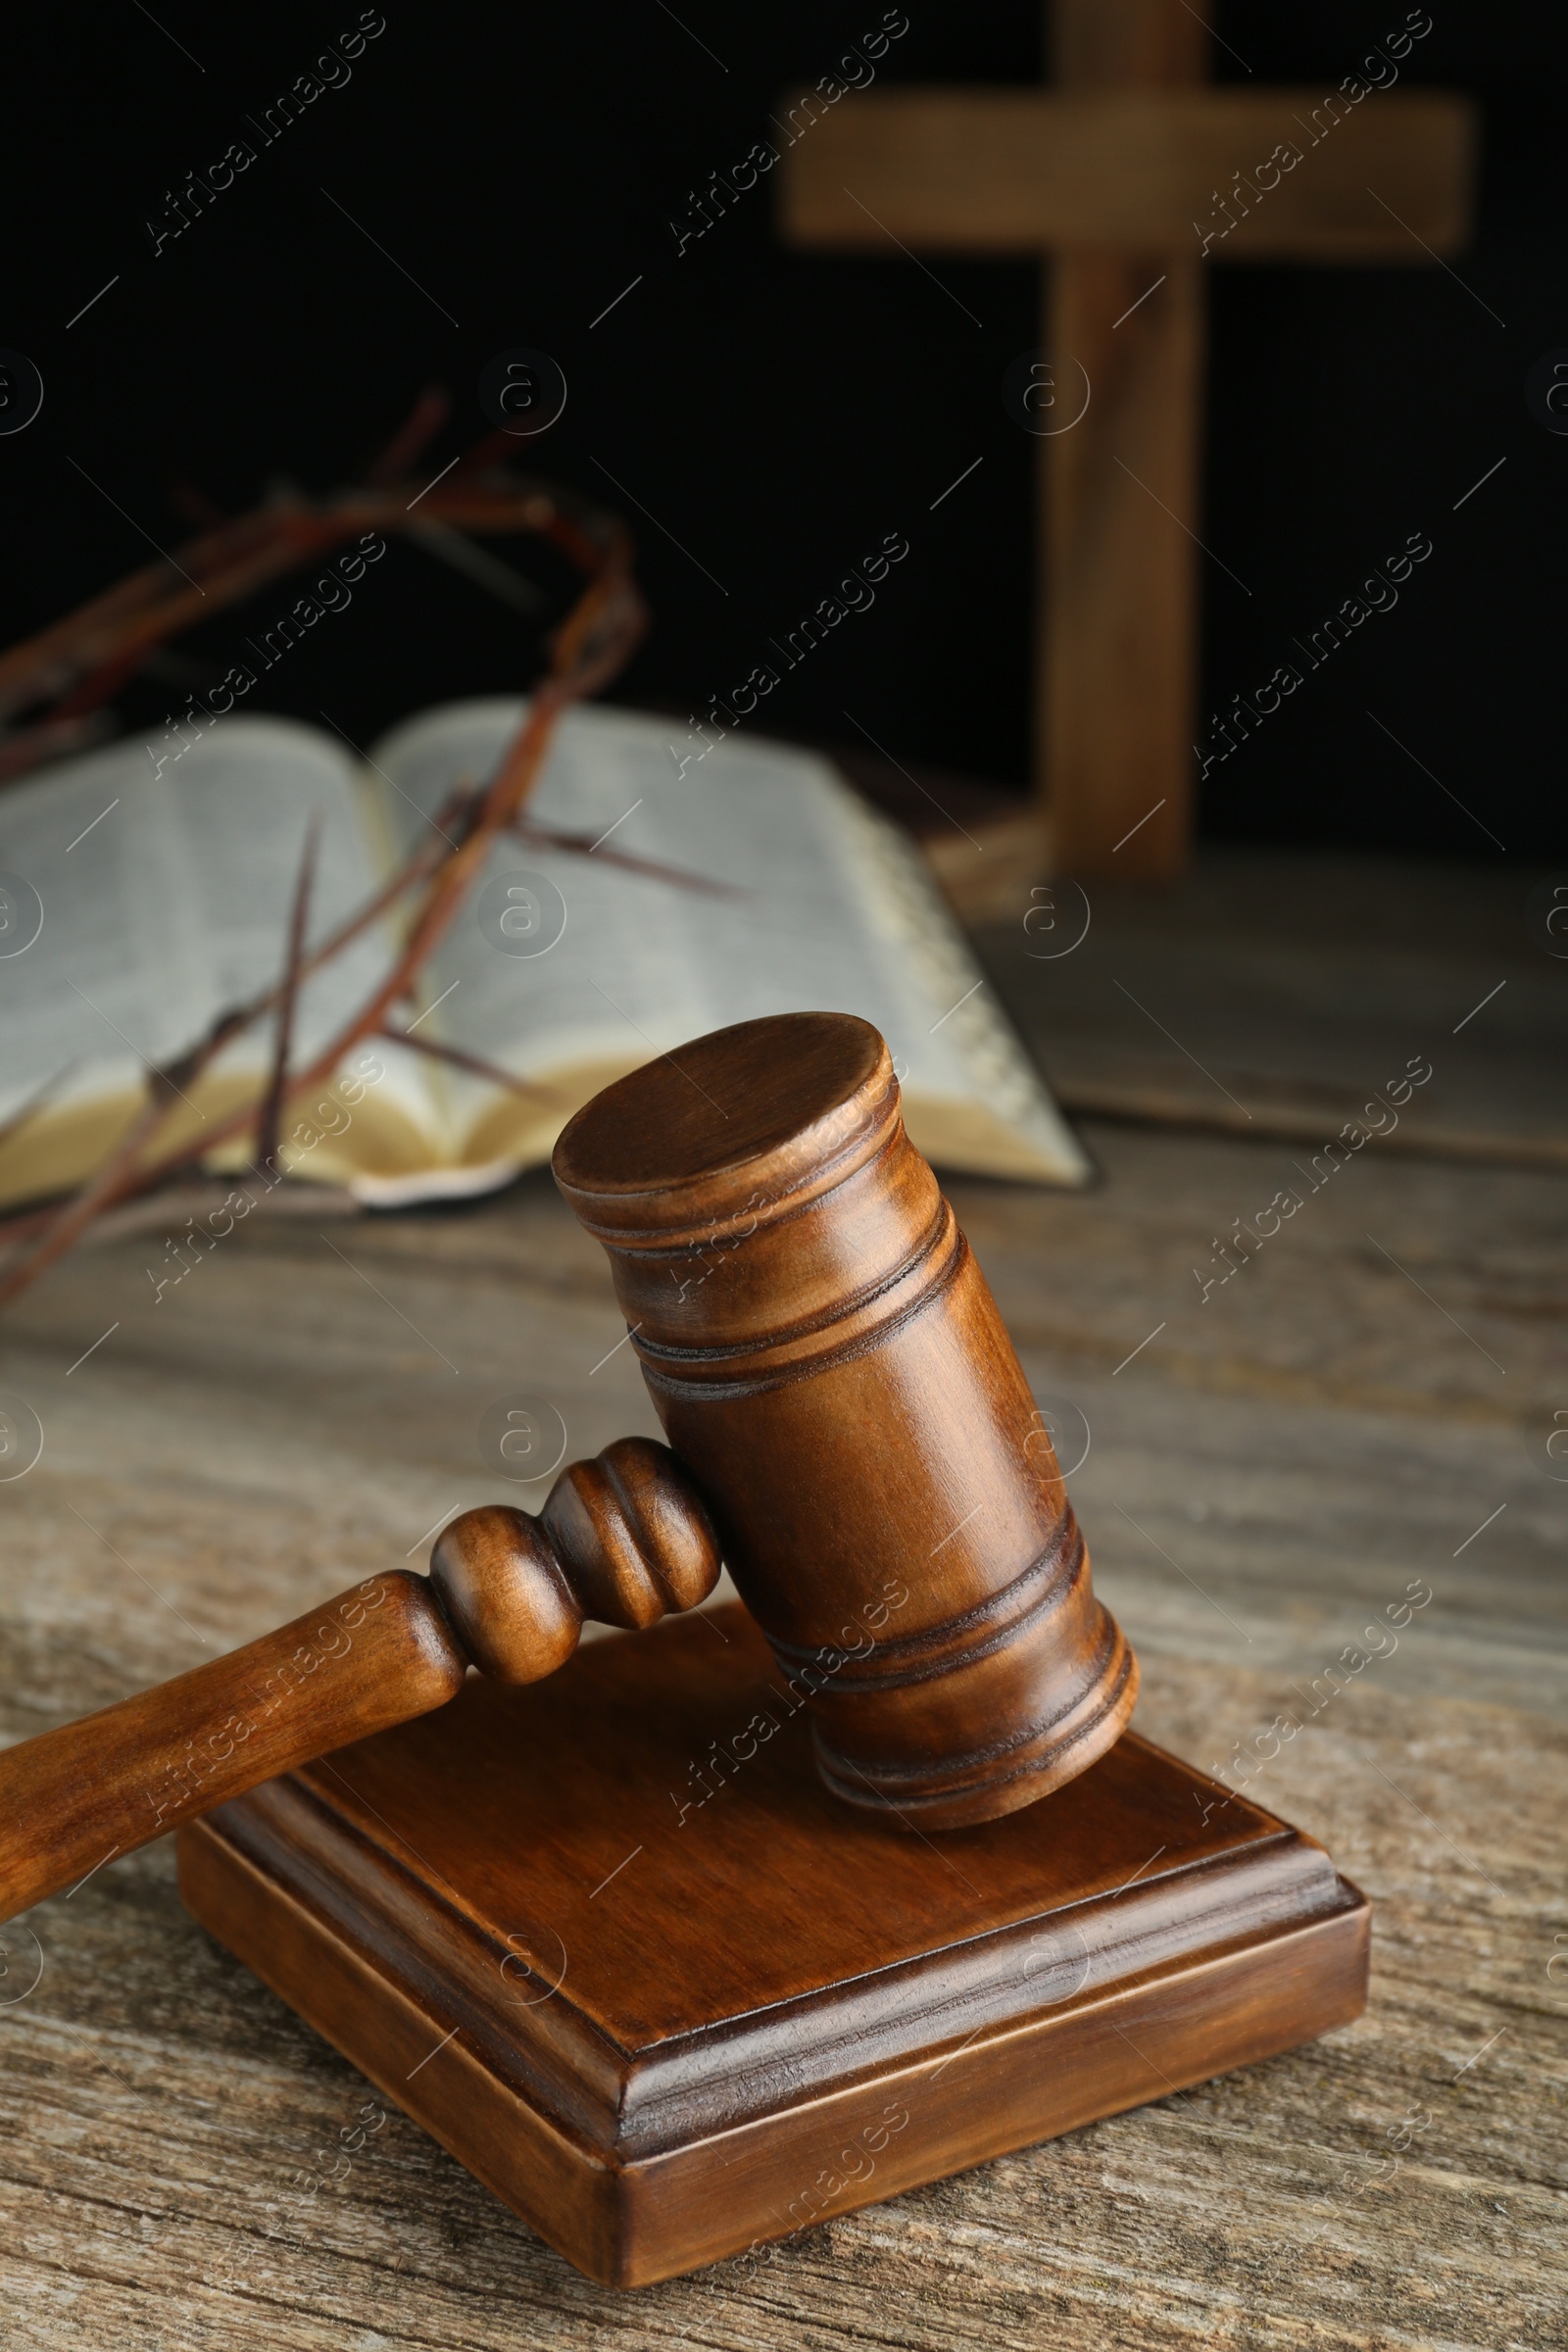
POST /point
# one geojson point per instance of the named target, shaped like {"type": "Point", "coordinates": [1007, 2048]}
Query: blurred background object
{"type": "Point", "coordinates": [386, 238]}
{"type": "Point", "coordinates": [1107, 177]}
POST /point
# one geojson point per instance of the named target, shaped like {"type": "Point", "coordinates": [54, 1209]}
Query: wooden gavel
{"type": "Point", "coordinates": [853, 1435]}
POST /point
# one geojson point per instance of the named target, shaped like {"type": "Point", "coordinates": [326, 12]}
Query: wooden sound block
{"type": "Point", "coordinates": [665, 2025]}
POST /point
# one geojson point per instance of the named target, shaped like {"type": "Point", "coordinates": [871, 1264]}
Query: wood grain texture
{"type": "Point", "coordinates": [622, 1538]}
{"type": "Point", "coordinates": [74, 1797]}
{"type": "Point", "coordinates": [660, 2053]}
{"type": "Point", "coordinates": [1294, 987]}
{"type": "Point", "coordinates": [1303, 1447]}
{"type": "Point", "coordinates": [827, 1361]}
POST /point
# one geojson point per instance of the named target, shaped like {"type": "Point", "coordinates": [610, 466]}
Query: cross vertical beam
{"type": "Point", "coordinates": [1113, 173]}
{"type": "Point", "coordinates": [1118, 602]}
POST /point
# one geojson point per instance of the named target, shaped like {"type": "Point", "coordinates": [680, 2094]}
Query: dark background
{"type": "Point", "coordinates": [777, 412]}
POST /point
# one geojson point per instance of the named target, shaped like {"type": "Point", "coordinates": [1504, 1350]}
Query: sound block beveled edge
{"type": "Point", "coordinates": [640, 2152]}
{"type": "Point", "coordinates": [635, 2224]}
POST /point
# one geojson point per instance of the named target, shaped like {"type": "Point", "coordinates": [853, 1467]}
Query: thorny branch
{"type": "Point", "coordinates": [84, 659]}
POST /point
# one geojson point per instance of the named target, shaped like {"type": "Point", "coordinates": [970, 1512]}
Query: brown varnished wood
{"type": "Point", "coordinates": [824, 1355]}
{"type": "Point", "coordinates": [73, 1799]}
{"type": "Point", "coordinates": [668, 1998]}
{"type": "Point", "coordinates": [1248, 2190]}
{"type": "Point", "coordinates": [830, 1365]}
{"type": "Point", "coordinates": [506, 1592]}
{"type": "Point", "coordinates": [622, 1539]}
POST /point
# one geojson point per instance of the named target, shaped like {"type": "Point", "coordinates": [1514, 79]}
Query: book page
{"type": "Point", "coordinates": [809, 901]}
{"type": "Point", "coordinates": [164, 893]}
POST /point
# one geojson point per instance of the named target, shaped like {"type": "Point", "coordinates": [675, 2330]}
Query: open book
{"type": "Point", "coordinates": [164, 898]}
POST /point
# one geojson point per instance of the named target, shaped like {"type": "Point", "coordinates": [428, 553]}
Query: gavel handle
{"type": "Point", "coordinates": [624, 1538]}
{"type": "Point", "coordinates": [73, 1799]}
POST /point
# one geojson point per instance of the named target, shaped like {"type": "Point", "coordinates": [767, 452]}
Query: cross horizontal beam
{"type": "Point", "coordinates": [1001, 172]}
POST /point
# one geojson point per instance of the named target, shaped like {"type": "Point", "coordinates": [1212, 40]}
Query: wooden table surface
{"type": "Point", "coordinates": [1363, 1408]}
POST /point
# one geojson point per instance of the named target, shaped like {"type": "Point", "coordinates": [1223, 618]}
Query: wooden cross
{"type": "Point", "coordinates": [1128, 175]}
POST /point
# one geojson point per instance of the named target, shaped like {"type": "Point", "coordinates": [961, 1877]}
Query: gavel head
{"type": "Point", "coordinates": [828, 1362]}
